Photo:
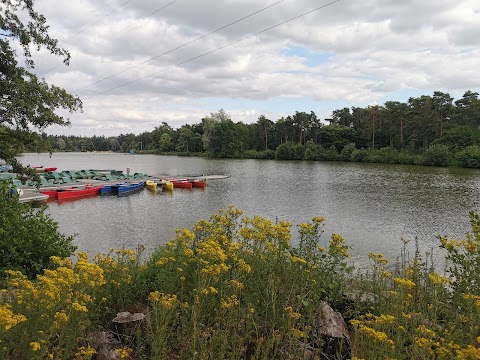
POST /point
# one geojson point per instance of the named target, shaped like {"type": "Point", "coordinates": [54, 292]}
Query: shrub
{"type": "Point", "coordinates": [290, 151]}
{"type": "Point", "coordinates": [29, 237]}
{"type": "Point", "coordinates": [437, 155]}
{"type": "Point", "coordinates": [469, 157]}
{"type": "Point", "coordinates": [346, 153]}
{"type": "Point", "coordinates": [360, 155]}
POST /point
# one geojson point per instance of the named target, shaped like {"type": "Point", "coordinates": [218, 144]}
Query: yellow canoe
{"type": "Point", "coordinates": [152, 185]}
{"type": "Point", "coordinates": [167, 185]}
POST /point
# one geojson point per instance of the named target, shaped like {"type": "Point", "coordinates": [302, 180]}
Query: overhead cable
{"type": "Point", "coordinates": [118, 32]}
{"type": "Point", "coordinates": [179, 47]}
{"type": "Point", "coordinates": [214, 50]}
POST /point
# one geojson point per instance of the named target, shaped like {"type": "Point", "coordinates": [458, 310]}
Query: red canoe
{"type": "Point", "coordinates": [183, 184]}
{"type": "Point", "coordinates": [53, 193]}
{"type": "Point", "coordinates": [78, 193]}
{"type": "Point", "coordinates": [199, 184]}
{"type": "Point", "coordinates": [41, 169]}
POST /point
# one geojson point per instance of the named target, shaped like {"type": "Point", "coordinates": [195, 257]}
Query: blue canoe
{"type": "Point", "coordinates": [128, 188]}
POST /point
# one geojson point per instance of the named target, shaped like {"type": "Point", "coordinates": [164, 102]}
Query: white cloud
{"type": "Point", "coordinates": [375, 48]}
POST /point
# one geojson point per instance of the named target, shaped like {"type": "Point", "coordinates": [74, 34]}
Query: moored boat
{"type": "Point", "coordinates": [167, 185]}
{"type": "Point", "coordinates": [107, 190]}
{"type": "Point", "coordinates": [128, 188]}
{"type": "Point", "coordinates": [41, 169]}
{"type": "Point", "coordinates": [181, 184]}
{"type": "Point", "coordinates": [77, 193]}
{"type": "Point", "coordinates": [199, 184]}
{"type": "Point", "coordinates": [151, 185]}
{"type": "Point", "coordinates": [52, 194]}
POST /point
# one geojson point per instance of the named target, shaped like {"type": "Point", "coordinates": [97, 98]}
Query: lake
{"type": "Point", "coordinates": [373, 206]}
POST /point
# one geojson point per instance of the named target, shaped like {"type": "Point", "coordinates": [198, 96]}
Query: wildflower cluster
{"type": "Point", "coordinates": [416, 309]}
{"type": "Point", "coordinates": [46, 316]}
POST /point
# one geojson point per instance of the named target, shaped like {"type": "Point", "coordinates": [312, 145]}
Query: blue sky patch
{"type": "Point", "coordinates": [311, 58]}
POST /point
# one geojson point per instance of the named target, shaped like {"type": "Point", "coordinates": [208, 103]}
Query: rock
{"type": "Point", "coordinates": [333, 330]}
{"type": "Point", "coordinates": [105, 344]}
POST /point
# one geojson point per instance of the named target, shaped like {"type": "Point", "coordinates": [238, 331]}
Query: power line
{"type": "Point", "coordinates": [215, 50]}
{"type": "Point", "coordinates": [103, 17]}
{"type": "Point", "coordinates": [118, 32]}
{"type": "Point", "coordinates": [179, 47]}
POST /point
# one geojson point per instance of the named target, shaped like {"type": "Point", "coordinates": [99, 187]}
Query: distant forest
{"type": "Point", "coordinates": [426, 130]}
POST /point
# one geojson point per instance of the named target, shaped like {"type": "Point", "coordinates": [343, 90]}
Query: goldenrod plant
{"type": "Point", "coordinates": [235, 287]}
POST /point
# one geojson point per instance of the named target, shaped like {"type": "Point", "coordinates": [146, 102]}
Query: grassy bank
{"type": "Point", "coordinates": [235, 288]}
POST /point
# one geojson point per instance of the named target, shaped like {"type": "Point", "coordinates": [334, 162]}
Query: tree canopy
{"type": "Point", "coordinates": [28, 104]}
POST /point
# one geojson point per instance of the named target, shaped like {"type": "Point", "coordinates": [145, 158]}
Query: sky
{"type": "Point", "coordinates": [138, 63]}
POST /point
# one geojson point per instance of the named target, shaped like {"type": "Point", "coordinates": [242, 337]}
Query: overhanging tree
{"type": "Point", "coordinates": [28, 104]}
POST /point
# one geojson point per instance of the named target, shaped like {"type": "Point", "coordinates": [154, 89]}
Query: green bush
{"type": "Point", "coordinates": [290, 151]}
{"type": "Point", "coordinates": [346, 153]}
{"type": "Point", "coordinates": [254, 154]}
{"type": "Point", "coordinates": [469, 157]}
{"type": "Point", "coordinates": [437, 155]}
{"type": "Point", "coordinates": [329, 154]}
{"type": "Point", "coordinates": [312, 151]}
{"type": "Point", "coordinates": [405, 158]}
{"type": "Point", "coordinates": [359, 155]}
{"type": "Point", "coordinates": [28, 237]}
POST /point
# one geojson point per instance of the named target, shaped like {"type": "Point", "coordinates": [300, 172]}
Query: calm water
{"type": "Point", "coordinates": [373, 206]}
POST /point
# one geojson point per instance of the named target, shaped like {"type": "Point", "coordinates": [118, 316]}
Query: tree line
{"type": "Point", "coordinates": [429, 130]}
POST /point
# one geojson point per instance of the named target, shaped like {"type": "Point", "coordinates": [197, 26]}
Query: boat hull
{"type": "Point", "coordinates": [182, 184]}
{"type": "Point", "coordinates": [199, 184]}
{"type": "Point", "coordinates": [151, 185]}
{"type": "Point", "coordinates": [167, 185]}
{"type": "Point", "coordinates": [128, 189]}
{"type": "Point", "coordinates": [78, 193]}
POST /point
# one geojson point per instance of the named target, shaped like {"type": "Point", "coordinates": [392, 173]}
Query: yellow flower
{"type": "Point", "coordinates": [8, 319]}
{"type": "Point", "coordinates": [229, 302]}
{"type": "Point", "coordinates": [404, 282]}
{"type": "Point", "coordinates": [236, 284]}
{"type": "Point", "coordinates": [79, 307]}
{"type": "Point", "coordinates": [296, 333]}
{"type": "Point", "coordinates": [124, 353]}
{"type": "Point", "coordinates": [60, 317]}
{"type": "Point", "coordinates": [167, 301]}
{"type": "Point", "coordinates": [438, 279]}
{"type": "Point", "coordinates": [35, 345]}
{"type": "Point", "coordinates": [161, 261]}
{"type": "Point", "coordinates": [379, 258]}
{"type": "Point", "coordinates": [86, 351]}
{"type": "Point", "coordinates": [469, 353]}
{"type": "Point", "coordinates": [242, 265]}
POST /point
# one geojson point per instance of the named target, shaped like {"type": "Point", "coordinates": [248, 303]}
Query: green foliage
{"type": "Point", "coordinates": [27, 104]}
{"type": "Point", "coordinates": [290, 151]}
{"type": "Point", "coordinates": [469, 157]}
{"type": "Point", "coordinates": [360, 155]}
{"type": "Point", "coordinates": [437, 155]}
{"type": "Point", "coordinates": [463, 260]}
{"type": "Point", "coordinates": [336, 135]}
{"type": "Point", "coordinates": [411, 311]}
{"type": "Point", "coordinates": [347, 151]}
{"type": "Point", "coordinates": [253, 154]}
{"type": "Point", "coordinates": [28, 237]}
{"type": "Point", "coordinates": [459, 137]}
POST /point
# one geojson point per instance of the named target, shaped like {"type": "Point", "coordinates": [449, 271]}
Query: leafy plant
{"type": "Point", "coordinates": [28, 237]}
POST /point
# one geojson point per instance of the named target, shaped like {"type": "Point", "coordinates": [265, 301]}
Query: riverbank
{"type": "Point", "coordinates": [435, 155]}
{"type": "Point", "coordinates": [234, 287]}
